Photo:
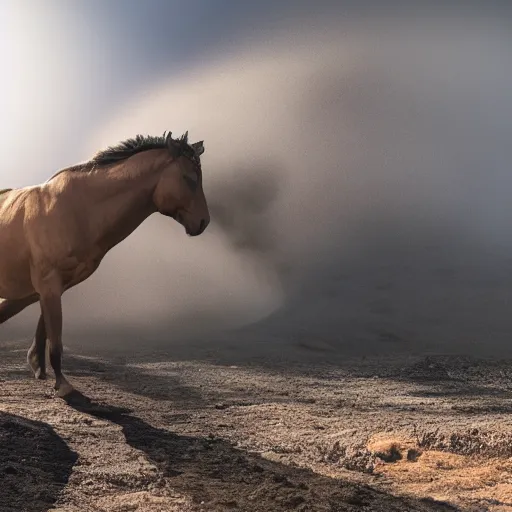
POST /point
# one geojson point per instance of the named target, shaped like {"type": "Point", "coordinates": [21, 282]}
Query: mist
{"type": "Point", "coordinates": [359, 184]}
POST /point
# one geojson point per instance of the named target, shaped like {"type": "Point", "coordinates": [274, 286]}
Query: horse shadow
{"type": "Point", "coordinates": [217, 476]}
{"type": "Point", "coordinates": [35, 464]}
{"type": "Point", "coordinates": [135, 380]}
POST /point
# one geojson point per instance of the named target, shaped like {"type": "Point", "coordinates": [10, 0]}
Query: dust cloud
{"type": "Point", "coordinates": [359, 184]}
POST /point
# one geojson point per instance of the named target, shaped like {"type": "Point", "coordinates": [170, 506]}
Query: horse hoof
{"type": "Point", "coordinates": [39, 374]}
{"type": "Point", "coordinates": [33, 363]}
{"type": "Point", "coordinates": [64, 390]}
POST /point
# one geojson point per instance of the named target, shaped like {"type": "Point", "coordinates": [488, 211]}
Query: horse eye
{"type": "Point", "coordinates": [191, 182]}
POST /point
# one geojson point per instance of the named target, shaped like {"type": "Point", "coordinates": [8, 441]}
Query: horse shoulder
{"type": "Point", "coordinates": [46, 225]}
{"type": "Point", "coordinates": [56, 236]}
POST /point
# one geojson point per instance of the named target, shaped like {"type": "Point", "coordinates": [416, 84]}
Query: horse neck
{"type": "Point", "coordinates": [122, 197]}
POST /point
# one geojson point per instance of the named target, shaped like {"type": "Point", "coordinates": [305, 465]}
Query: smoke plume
{"type": "Point", "coordinates": [359, 185]}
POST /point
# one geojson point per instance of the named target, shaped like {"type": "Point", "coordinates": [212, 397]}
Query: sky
{"type": "Point", "coordinates": [356, 166]}
{"type": "Point", "coordinates": [78, 62]}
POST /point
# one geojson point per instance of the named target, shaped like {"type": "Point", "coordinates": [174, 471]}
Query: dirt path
{"type": "Point", "coordinates": [415, 434]}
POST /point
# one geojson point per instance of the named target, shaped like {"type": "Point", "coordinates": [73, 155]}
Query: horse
{"type": "Point", "coordinates": [53, 236]}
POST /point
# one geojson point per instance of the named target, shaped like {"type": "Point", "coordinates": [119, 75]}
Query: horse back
{"type": "Point", "coordinates": [15, 279]}
{"type": "Point", "coordinates": [3, 194]}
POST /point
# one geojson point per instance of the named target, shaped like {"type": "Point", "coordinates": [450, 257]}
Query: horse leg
{"type": "Point", "coordinates": [10, 308]}
{"type": "Point", "coordinates": [51, 307]}
{"type": "Point", "coordinates": [36, 356]}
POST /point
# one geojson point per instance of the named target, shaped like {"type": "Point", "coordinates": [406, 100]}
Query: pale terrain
{"type": "Point", "coordinates": [213, 426]}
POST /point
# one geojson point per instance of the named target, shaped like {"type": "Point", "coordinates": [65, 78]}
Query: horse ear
{"type": "Point", "coordinates": [173, 146]}
{"type": "Point", "coordinates": [198, 147]}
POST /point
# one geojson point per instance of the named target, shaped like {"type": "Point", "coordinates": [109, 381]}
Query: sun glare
{"type": "Point", "coordinates": [42, 73]}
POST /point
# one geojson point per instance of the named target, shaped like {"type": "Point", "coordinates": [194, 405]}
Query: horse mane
{"type": "Point", "coordinates": [137, 144]}
{"type": "Point", "coordinates": [128, 148]}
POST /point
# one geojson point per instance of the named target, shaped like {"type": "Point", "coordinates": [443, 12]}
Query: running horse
{"type": "Point", "coordinates": [54, 236]}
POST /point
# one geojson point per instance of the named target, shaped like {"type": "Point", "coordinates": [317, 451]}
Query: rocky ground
{"type": "Point", "coordinates": [167, 433]}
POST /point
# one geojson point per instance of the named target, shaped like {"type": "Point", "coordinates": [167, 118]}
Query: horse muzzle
{"type": "Point", "coordinates": [202, 226]}
{"type": "Point", "coordinates": [189, 229]}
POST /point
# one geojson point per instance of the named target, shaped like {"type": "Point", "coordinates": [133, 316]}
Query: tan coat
{"type": "Point", "coordinates": [53, 236]}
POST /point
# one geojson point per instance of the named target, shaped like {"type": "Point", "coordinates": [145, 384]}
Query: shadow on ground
{"type": "Point", "coordinates": [475, 386]}
{"type": "Point", "coordinates": [136, 380]}
{"type": "Point", "coordinates": [443, 377]}
{"type": "Point", "coordinates": [35, 464]}
{"type": "Point", "coordinates": [219, 476]}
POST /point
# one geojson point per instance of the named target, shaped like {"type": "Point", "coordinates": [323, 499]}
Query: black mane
{"type": "Point", "coordinates": [130, 147]}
